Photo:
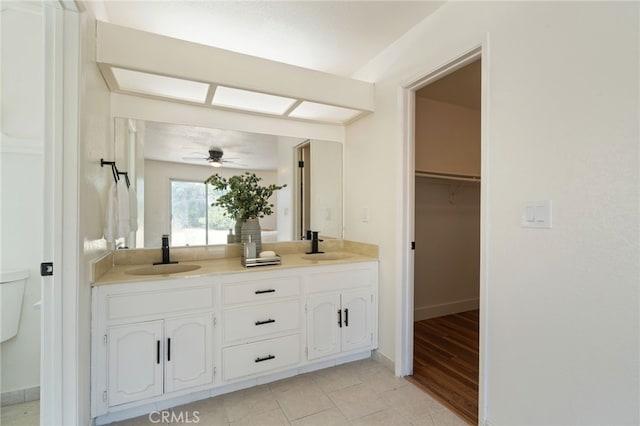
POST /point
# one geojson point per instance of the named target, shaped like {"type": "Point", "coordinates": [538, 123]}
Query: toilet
{"type": "Point", "coordinates": [12, 283]}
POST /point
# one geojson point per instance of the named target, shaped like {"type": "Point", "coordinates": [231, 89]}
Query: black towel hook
{"type": "Point", "coordinates": [114, 169]}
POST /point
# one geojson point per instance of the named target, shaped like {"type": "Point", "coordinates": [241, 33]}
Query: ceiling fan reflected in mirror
{"type": "Point", "coordinates": [215, 158]}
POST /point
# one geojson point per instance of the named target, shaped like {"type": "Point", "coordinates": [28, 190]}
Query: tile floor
{"type": "Point", "coordinates": [23, 414]}
{"type": "Point", "coordinates": [359, 393]}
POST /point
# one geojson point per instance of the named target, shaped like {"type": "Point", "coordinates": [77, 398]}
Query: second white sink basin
{"type": "Point", "coordinates": [170, 268]}
{"type": "Point", "coordinates": [326, 256]}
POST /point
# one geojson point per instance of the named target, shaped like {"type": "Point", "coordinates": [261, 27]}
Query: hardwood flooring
{"type": "Point", "coordinates": [445, 361]}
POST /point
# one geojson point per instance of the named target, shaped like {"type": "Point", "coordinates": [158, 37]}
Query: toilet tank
{"type": "Point", "coordinates": [12, 283]}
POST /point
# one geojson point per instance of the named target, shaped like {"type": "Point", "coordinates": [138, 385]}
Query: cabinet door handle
{"type": "Point", "coordinates": [340, 318]}
{"type": "Point", "coordinates": [158, 352]}
{"type": "Point", "coordinates": [169, 349]}
{"type": "Point", "coordinates": [346, 317]}
{"type": "Point", "coordinates": [266, 358]}
{"type": "Point", "coordinates": [271, 290]}
{"type": "Point", "coordinates": [269, 321]}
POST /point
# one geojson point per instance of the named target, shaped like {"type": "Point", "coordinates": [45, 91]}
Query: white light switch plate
{"type": "Point", "coordinates": [536, 214]}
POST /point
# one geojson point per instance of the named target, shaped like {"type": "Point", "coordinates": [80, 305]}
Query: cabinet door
{"type": "Point", "coordinates": [135, 362]}
{"type": "Point", "coordinates": [323, 329]}
{"type": "Point", "coordinates": [356, 319]}
{"type": "Point", "coordinates": [189, 352]}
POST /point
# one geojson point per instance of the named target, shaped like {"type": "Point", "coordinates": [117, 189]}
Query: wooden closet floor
{"type": "Point", "coordinates": [445, 361]}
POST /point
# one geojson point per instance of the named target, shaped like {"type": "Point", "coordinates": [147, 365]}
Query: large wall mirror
{"type": "Point", "coordinates": [168, 163]}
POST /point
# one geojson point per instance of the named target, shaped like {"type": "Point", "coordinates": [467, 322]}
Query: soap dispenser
{"type": "Point", "coordinates": [249, 249]}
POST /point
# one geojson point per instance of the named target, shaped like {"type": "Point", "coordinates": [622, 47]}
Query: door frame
{"type": "Point", "coordinates": [59, 384]}
{"type": "Point", "coordinates": [405, 292]}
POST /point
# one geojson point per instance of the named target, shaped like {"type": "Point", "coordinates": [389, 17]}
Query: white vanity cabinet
{"type": "Point", "coordinates": [262, 321]}
{"type": "Point", "coordinates": [148, 359]}
{"type": "Point", "coordinates": [157, 344]}
{"type": "Point", "coordinates": [342, 311]}
{"type": "Point", "coordinates": [135, 364]}
{"type": "Point", "coordinates": [151, 340]}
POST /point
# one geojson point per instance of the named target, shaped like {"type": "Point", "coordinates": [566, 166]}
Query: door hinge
{"type": "Point", "coordinates": [104, 396]}
{"type": "Point", "coordinates": [306, 351]}
{"type": "Point", "coordinates": [371, 337]}
{"type": "Point", "coordinates": [301, 164]}
{"type": "Point", "coordinates": [215, 321]}
{"type": "Point", "coordinates": [413, 245]}
{"type": "Point", "coordinates": [105, 339]}
{"type": "Point", "coordinates": [305, 308]}
{"type": "Point", "coordinates": [215, 370]}
{"type": "Point", "coordinates": [371, 297]}
{"type": "Point", "coordinates": [46, 269]}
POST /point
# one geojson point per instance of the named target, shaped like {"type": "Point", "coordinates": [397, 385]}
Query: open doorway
{"type": "Point", "coordinates": [447, 234]}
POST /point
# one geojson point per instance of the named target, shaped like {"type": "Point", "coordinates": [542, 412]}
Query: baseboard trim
{"type": "Point", "coordinates": [433, 311]}
{"type": "Point", "coordinates": [20, 396]}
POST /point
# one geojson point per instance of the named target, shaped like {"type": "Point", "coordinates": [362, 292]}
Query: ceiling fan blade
{"type": "Point", "coordinates": [234, 162]}
{"type": "Point", "coordinates": [195, 158]}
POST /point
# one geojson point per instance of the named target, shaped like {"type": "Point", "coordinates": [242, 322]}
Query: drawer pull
{"type": "Point", "coordinates": [269, 321]}
{"type": "Point", "coordinates": [271, 290]}
{"type": "Point", "coordinates": [169, 349]}
{"type": "Point", "coordinates": [346, 317]}
{"type": "Point", "coordinates": [266, 358]}
{"type": "Point", "coordinates": [340, 318]}
{"type": "Point", "coordinates": [158, 352]}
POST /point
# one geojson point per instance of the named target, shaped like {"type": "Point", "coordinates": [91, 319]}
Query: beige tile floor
{"type": "Point", "coordinates": [360, 393]}
{"type": "Point", "coordinates": [24, 414]}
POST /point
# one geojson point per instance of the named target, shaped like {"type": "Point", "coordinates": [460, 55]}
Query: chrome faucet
{"type": "Point", "coordinates": [314, 243]}
{"type": "Point", "coordinates": [166, 257]}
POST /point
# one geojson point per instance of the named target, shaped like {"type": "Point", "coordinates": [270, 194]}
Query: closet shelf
{"type": "Point", "coordinates": [448, 176]}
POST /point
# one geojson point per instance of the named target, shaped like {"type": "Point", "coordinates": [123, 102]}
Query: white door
{"type": "Point", "coordinates": [356, 319]}
{"type": "Point", "coordinates": [324, 322]}
{"type": "Point", "coordinates": [135, 362]}
{"type": "Point", "coordinates": [189, 352]}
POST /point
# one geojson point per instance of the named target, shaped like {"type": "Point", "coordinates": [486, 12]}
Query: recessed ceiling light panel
{"type": "Point", "coordinates": [159, 85]}
{"type": "Point", "coordinates": [251, 101]}
{"type": "Point", "coordinates": [322, 112]}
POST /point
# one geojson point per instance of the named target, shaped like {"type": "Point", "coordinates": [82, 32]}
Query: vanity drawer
{"type": "Point", "coordinates": [259, 357]}
{"type": "Point", "coordinates": [260, 290]}
{"type": "Point", "coordinates": [261, 321]}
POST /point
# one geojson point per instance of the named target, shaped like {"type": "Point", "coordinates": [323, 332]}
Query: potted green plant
{"type": "Point", "coordinates": [246, 201]}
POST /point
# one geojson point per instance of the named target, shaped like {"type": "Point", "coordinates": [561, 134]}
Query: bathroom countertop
{"type": "Point", "coordinates": [229, 265]}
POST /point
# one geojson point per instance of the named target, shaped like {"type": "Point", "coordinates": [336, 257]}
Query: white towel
{"type": "Point", "coordinates": [123, 214]}
{"type": "Point", "coordinates": [110, 215]}
{"type": "Point", "coordinates": [133, 209]}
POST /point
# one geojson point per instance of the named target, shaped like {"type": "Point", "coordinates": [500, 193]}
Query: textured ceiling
{"type": "Point", "coordinates": [337, 37]}
{"type": "Point", "coordinates": [188, 144]}
{"type": "Point", "coordinates": [461, 87]}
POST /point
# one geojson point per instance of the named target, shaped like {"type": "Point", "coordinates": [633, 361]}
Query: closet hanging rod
{"type": "Point", "coordinates": [448, 176]}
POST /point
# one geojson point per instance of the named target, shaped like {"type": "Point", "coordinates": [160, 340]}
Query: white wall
{"type": "Point", "coordinates": [561, 327]}
{"type": "Point", "coordinates": [286, 175]}
{"type": "Point", "coordinates": [326, 188]}
{"type": "Point", "coordinates": [21, 180]}
{"type": "Point", "coordinates": [157, 200]}
{"type": "Point", "coordinates": [95, 142]}
{"type": "Point", "coordinates": [447, 255]}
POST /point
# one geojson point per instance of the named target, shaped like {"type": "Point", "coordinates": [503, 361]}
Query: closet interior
{"type": "Point", "coordinates": [447, 235]}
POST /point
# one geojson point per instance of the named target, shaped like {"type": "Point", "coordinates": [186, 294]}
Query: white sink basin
{"type": "Point", "coordinates": [171, 268]}
{"type": "Point", "coordinates": [326, 256]}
